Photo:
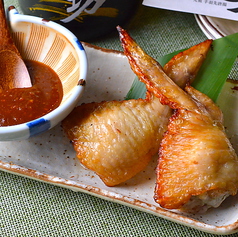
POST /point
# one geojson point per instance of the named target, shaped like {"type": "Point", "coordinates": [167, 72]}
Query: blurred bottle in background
{"type": "Point", "coordinates": [87, 19]}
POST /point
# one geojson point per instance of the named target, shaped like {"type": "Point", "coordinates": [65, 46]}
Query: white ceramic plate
{"type": "Point", "coordinates": [50, 157]}
{"type": "Point", "coordinates": [215, 28]}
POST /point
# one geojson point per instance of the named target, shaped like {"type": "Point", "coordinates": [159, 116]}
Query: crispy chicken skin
{"type": "Point", "coordinates": [182, 68]}
{"type": "Point", "coordinates": [117, 139]}
{"type": "Point", "coordinates": [197, 165]}
{"type": "Point", "coordinates": [195, 157]}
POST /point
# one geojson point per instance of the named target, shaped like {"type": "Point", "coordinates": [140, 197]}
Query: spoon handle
{"type": "Point", "coordinates": [6, 41]}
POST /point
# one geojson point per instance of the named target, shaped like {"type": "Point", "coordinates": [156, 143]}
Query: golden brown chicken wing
{"type": "Point", "coordinates": [182, 68]}
{"type": "Point", "coordinates": [117, 139]}
{"type": "Point", "coordinates": [197, 165]}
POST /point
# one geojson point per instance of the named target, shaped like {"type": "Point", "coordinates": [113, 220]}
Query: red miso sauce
{"type": "Point", "coordinates": [20, 105]}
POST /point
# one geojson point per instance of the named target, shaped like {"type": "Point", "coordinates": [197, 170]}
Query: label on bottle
{"type": "Point", "coordinates": [79, 7]}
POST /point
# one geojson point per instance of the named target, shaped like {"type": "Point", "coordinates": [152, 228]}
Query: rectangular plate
{"type": "Point", "coordinates": [50, 157]}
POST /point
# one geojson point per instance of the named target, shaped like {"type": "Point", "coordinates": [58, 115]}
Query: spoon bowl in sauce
{"type": "Point", "coordinates": [49, 44]}
{"type": "Point", "coordinates": [14, 73]}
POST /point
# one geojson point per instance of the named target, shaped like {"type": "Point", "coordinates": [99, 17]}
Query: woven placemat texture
{"type": "Point", "coordinates": [32, 208]}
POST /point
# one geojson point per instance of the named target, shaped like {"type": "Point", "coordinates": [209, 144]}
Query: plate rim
{"type": "Point", "coordinates": [204, 23]}
{"type": "Point", "coordinates": [118, 198]}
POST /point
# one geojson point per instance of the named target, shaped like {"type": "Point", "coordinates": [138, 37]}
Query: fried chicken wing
{"type": "Point", "coordinates": [117, 139]}
{"type": "Point", "coordinates": [182, 68]}
{"type": "Point", "coordinates": [197, 166]}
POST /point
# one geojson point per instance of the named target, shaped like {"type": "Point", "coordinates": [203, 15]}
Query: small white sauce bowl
{"type": "Point", "coordinates": [54, 45]}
